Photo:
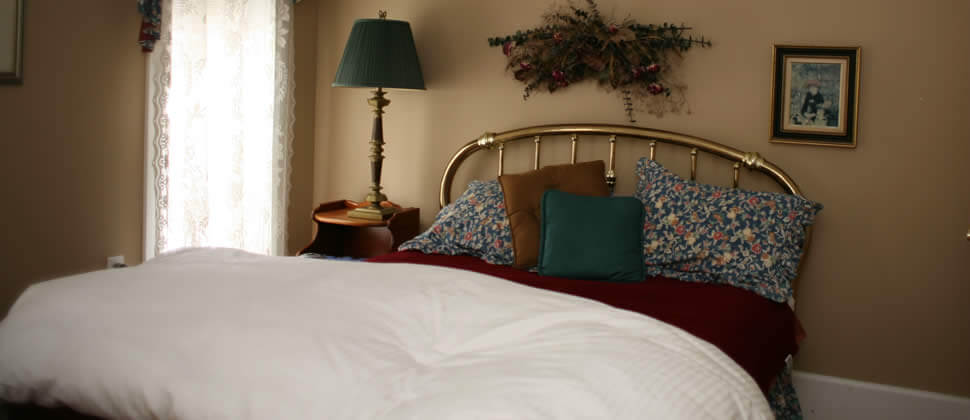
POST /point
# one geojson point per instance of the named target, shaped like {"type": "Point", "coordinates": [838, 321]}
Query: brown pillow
{"type": "Point", "coordinates": [523, 196]}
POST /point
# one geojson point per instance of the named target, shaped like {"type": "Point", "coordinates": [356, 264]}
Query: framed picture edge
{"type": "Point", "coordinates": [17, 76]}
{"type": "Point", "coordinates": [856, 75]}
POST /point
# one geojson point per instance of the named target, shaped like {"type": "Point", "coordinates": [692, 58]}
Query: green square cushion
{"type": "Point", "coordinates": [596, 238]}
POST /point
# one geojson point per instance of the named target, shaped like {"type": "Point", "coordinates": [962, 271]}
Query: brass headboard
{"type": "Point", "coordinates": [493, 141]}
{"type": "Point", "coordinates": [497, 141]}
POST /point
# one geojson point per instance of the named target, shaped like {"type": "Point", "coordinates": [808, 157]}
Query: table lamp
{"type": "Point", "coordinates": [379, 54]}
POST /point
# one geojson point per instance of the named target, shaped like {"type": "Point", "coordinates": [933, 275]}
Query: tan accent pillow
{"type": "Point", "coordinates": [523, 196]}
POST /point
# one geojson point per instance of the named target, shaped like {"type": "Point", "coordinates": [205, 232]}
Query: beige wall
{"type": "Point", "coordinates": [71, 171]}
{"type": "Point", "coordinates": [305, 79]}
{"type": "Point", "coordinates": [72, 137]}
{"type": "Point", "coordinates": [884, 294]}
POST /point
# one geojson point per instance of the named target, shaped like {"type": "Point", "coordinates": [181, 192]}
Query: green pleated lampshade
{"type": "Point", "coordinates": [380, 53]}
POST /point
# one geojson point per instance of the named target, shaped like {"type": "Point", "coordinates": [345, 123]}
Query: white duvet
{"type": "Point", "coordinates": [223, 334]}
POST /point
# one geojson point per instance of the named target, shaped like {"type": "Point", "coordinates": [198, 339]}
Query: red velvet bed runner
{"type": "Point", "coordinates": [756, 332]}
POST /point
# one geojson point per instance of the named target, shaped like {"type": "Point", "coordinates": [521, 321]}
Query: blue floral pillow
{"type": "Point", "coordinates": [703, 233]}
{"type": "Point", "coordinates": [475, 224]}
{"type": "Point", "coordinates": [783, 398]}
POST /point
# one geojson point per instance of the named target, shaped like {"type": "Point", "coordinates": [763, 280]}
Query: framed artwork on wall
{"type": "Point", "coordinates": [815, 95]}
{"type": "Point", "coordinates": [12, 41]}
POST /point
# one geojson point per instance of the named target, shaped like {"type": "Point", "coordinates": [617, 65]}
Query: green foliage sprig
{"type": "Point", "coordinates": [576, 44]}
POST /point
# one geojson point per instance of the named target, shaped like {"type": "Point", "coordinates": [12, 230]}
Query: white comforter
{"type": "Point", "coordinates": [222, 334]}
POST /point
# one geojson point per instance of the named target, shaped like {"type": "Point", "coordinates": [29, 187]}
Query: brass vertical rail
{"type": "Point", "coordinates": [693, 164]}
{"type": "Point", "coordinates": [501, 159]}
{"type": "Point", "coordinates": [612, 152]}
{"type": "Point", "coordinates": [653, 150]}
{"type": "Point", "coordinates": [737, 173]}
{"type": "Point", "coordinates": [535, 163]}
{"type": "Point", "coordinates": [572, 152]}
{"type": "Point", "coordinates": [611, 172]}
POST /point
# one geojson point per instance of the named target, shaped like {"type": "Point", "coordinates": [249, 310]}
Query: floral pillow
{"type": "Point", "coordinates": [783, 398]}
{"type": "Point", "coordinates": [709, 234]}
{"type": "Point", "coordinates": [475, 224]}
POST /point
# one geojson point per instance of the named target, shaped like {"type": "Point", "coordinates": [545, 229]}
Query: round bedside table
{"type": "Point", "coordinates": [341, 236]}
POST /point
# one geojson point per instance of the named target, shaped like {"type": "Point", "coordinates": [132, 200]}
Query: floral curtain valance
{"type": "Point", "coordinates": [151, 22]}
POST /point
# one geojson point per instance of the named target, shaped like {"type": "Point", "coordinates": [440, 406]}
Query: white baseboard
{"type": "Point", "coordinates": [830, 398]}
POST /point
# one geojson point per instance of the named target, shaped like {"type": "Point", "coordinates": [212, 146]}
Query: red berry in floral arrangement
{"type": "Point", "coordinates": [507, 48]}
{"type": "Point", "coordinates": [653, 68]}
{"type": "Point", "coordinates": [525, 65]}
{"type": "Point", "coordinates": [655, 88]}
{"type": "Point", "coordinates": [560, 78]}
{"type": "Point", "coordinates": [638, 71]}
{"type": "Point", "coordinates": [557, 36]}
{"type": "Point", "coordinates": [613, 28]}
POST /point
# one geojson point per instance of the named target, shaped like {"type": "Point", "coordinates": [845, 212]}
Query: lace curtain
{"type": "Point", "coordinates": [220, 126]}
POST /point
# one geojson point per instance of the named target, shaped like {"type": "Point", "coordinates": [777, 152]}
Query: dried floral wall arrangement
{"type": "Point", "coordinates": [575, 44]}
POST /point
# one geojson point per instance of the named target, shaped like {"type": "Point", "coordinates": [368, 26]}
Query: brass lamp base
{"type": "Point", "coordinates": [372, 212]}
{"type": "Point", "coordinates": [371, 208]}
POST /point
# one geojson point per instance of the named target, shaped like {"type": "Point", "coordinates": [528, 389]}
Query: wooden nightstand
{"type": "Point", "coordinates": [340, 236]}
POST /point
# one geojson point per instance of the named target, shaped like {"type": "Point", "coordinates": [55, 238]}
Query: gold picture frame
{"type": "Point", "coordinates": [12, 41]}
{"type": "Point", "coordinates": [815, 95]}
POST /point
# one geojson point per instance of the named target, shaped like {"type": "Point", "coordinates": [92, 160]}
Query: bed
{"type": "Point", "coordinates": [219, 333]}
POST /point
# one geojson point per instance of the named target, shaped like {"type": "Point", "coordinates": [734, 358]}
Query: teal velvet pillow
{"type": "Point", "coordinates": [595, 238]}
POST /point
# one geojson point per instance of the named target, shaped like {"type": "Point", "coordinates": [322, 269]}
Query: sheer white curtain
{"type": "Point", "coordinates": [219, 132]}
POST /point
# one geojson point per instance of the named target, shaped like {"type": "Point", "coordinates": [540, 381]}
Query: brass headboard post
{"type": "Point", "coordinates": [737, 174]}
{"type": "Point", "coordinates": [611, 170]}
{"type": "Point", "coordinates": [693, 164]}
{"type": "Point", "coordinates": [535, 163]}
{"type": "Point", "coordinates": [572, 148]}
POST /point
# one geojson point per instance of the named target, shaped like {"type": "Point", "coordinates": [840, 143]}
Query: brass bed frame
{"type": "Point", "coordinates": [498, 141]}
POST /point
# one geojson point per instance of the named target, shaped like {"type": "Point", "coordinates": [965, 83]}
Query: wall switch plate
{"type": "Point", "coordinates": [117, 261]}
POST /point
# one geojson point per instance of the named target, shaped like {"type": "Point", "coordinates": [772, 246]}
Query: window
{"type": "Point", "coordinates": [220, 126]}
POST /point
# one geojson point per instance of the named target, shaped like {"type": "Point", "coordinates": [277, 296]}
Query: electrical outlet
{"type": "Point", "coordinates": [117, 261]}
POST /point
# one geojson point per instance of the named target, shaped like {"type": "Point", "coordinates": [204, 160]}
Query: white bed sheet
{"type": "Point", "coordinates": [223, 334]}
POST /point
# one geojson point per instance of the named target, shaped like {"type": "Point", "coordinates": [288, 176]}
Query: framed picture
{"type": "Point", "coordinates": [815, 95]}
{"type": "Point", "coordinates": [12, 41]}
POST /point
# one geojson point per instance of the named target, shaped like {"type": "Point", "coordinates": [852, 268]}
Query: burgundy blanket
{"type": "Point", "coordinates": [756, 332]}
